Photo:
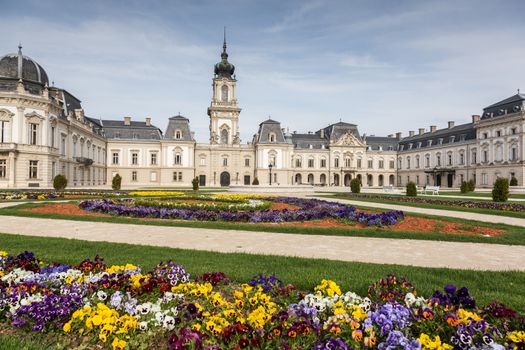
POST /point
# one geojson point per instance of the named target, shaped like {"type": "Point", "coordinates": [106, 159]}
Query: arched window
{"type": "Point", "coordinates": [224, 93]}
{"type": "Point", "coordinates": [513, 152]}
{"type": "Point", "coordinates": [178, 134]}
{"type": "Point", "coordinates": [177, 159]}
{"type": "Point", "coordinates": [224, 136]}
{"type": "Point", "coordinates": [271, 137]}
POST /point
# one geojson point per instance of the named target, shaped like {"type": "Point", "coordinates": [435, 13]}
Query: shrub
{"type": "Point", "coordinates": [59, 182]}
{"type": "Point", "coordinates": [116, 182]}
{"type": "Point", "coordinates": [464, 187]}
{"type": "Point", "coordinates": [411, 189]}
{"type": "Point", "coordinates": [500, 192]}
{"type": "Point", "coordinates": [471, 186]}
{"type": "Point", "coordinates": [255, 181]}
{"type": "Point", "coordinates": [195, 183]}
{"type": "Point", "coordinates": [513, 181]}
{"type": "Point", "coordinates": [355, 185]}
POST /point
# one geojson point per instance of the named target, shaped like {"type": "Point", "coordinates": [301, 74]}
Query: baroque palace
{"type": "Point", "coordinates": [44, 132]}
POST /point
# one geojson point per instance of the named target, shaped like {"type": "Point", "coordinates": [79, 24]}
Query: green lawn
{"type": "Point", "coordinates": [514, 214]}
{"type": "Point", "coordinates": [304, 273]}
{"type": "Point", "coordinates": [514, 235]}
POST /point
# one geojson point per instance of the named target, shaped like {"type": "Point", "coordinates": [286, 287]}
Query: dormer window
{"type": "Point", "coordinates": [271, 137]}
{"type": "Point", "coordinates": [429, 143]}
{"type": "Point", "coordinates": [390, 148]}
{"type": "Point", "coordinates": [117, 135]}
{"type": "Point", "coordinates": [452, 138]}
{"type": "Point", "coordinates": [178, 134]}
{"type": "Point", "coordinates": [419, 144]}
{"type": "Point", "coordinates": [401, 148]}
{"type": "Point", "coordinates": [440, 141]}
{"type": "Point", "coordinates": [462, 137]}
{"type": "Point", "coordinates": [135, 135]}
{"type": "Point", "coordinates": [410, 146]}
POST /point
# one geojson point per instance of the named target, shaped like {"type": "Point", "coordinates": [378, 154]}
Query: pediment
{"type": "Point", "coordinates": [349, 139]}
{"type": "Point", "coordinates": [6, 114]}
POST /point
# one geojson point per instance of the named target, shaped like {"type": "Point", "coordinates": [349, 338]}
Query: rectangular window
{"type": "Point", "coordinates": [154, 159]}
{"type": "Point", "coordinates": [153, 176]}
{"type": "Point", "coordinates": [203, 161]}
{"type": "Point", "coordinates": [461, 159]}
{"type": "Point", "coordinates": [178, 159]}
{"type": "Point", "coordinates": [3, 168]}
{"type": "Point", "coordinates": [498, 133]}
{"type": "Point", "coordinates": [417, 163]}
{"type": "Point", "coordinates": [417, 180]}
{"type": "Point", "coordinates": [474, 157]}
{"type": "Point", "coordinates": [133, 176]}
{"type": "Point", "coordinates": [370, 163]}
{"type": "Point", "coordinates": [513, 131]}
{"type": "Point", "coordinates": [513, 153]}
{"type": "Point", "coordinates": [450, 159]}
{"type": "Point", "coordinates": [33, 133]}
{"type": "Point", "coordinates": [392, 164]}
{"type": "Point", "coordinates": [174, 176]}
{"type": "Point", "coordinates": [485, 156]}
{"type": "Point", "coordinates": [246, 161]}
{"type": "Point", "coordinates": [3, 130]}
{"type": "Point", "coordinates": [115, 158]}
{"type": "Point", "coordinates": [225, 161]}
{"type": "Point", "coordinates": [323, 163]}
{"type": "Point", "coordinates": [53, 136]}
{"type": "Point", "coordinates": [33, 169]}
{"type": "Point", "coordinates": [310, 163]}
{"type": "Point", "coordinates": [134, 158]}
{"type": "Point", "coordinates": [381, 164]}
{"type": "Point", "coordinates": [336, 163]}
{"type": "Point", "coordinates": [180, 176]}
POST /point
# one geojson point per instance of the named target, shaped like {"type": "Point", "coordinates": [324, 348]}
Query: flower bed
{"type": "Point", "coordinates": [42, 195]}
{"type": "Point", "coordinates": [310, 209]}
{"type": "Point", "coordinates": [453, 203]}
{"type": "Point", "coordinates": [123, 307]}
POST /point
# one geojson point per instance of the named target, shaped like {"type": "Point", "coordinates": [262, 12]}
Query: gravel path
{"type": "Point", "coordinates": [474, 256]}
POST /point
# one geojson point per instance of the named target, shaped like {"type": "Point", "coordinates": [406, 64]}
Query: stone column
{"type": "Point", "coordinates": [12, 170]}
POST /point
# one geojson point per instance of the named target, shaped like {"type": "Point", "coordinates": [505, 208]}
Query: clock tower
{"type": "Point", "coordinates": [224, 111]}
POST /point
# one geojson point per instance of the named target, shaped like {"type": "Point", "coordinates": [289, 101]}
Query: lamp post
{"type": "Point", "coordinates": [270, 166]}
{"type": "Point", "coordinates": [341, 183]}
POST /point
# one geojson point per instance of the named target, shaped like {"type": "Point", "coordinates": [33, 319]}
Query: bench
{"type": "Point", "coordinates": [431, 189]}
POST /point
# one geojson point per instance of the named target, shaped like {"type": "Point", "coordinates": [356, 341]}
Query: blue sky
{"type": "Point", "coordinates": [386, 66]}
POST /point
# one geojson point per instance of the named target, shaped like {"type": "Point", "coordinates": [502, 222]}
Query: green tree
{"type": "Point", "coordinates": [464, 187]}
{"type": "Point", "coordinates": [500, 191]}
{"type": "Point", "coordinates": [255, 181]}
{"type": "Point", "coordinates": [59, 182]}
{"type": "Point", "coordinates": [513, 181]}
{"type": "Point", "coordinates": [355, 185]}
{"type": "Point", "coordinates": [195, 183]}
{"type": "Point", "coordinates": [116, 182]}
{"type": "Point", "coordinates": [411, 189]}
{"type": "Point", "coordinates": [471, 186]}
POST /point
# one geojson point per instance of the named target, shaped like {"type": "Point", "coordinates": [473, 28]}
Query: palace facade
{"type": "Point", "coordinates": [44, 132]}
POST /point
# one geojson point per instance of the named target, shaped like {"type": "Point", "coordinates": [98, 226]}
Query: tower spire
{"type": "Point", "coordinates": [20, 60]}
{"type": "Point", "coordinates": [224, 42]}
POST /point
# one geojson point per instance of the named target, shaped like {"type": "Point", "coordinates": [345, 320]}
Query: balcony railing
{"type": "Point", "coordinates": [84, 161]}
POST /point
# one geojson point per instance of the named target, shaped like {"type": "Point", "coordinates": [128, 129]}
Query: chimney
{"type": "Point", "coordinates": [391, 135]}
{"type": "Point", "coordinates": [127, 120]}
{"type": "Point", "coordinates": [398, 135]}
{"type": "Point", "coordinates": [321, 133]}
{"type": "Point", "coordinates": [421, 131]}
{"type": "Point", "coordinates": [451, 124]}
{"type": "Point", "coordinates": [192, 133]}
{"type": "Point", "coordinates": [433, 128]}
{"type": "Point", "coordinates": [475, 118]}
{"type": "Point", "coordinates": [148, 121]}
{"type": "Point", "coordinates": [411, 133]}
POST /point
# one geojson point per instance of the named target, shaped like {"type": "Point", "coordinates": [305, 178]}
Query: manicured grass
{"type": "Point", "coordinates": [434, 206]}
{"type": "Point", "coordinates": [27, 341]}
{"type": "Point", "coordinates": [514, 235]}
{"type": "Point", "coordinates": [304, 273]}
{"type": "Point", "coordinates": [479, 194]}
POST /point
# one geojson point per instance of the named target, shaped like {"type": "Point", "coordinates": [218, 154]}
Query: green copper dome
{"type": "Point", "coordinates": [224, 68]}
